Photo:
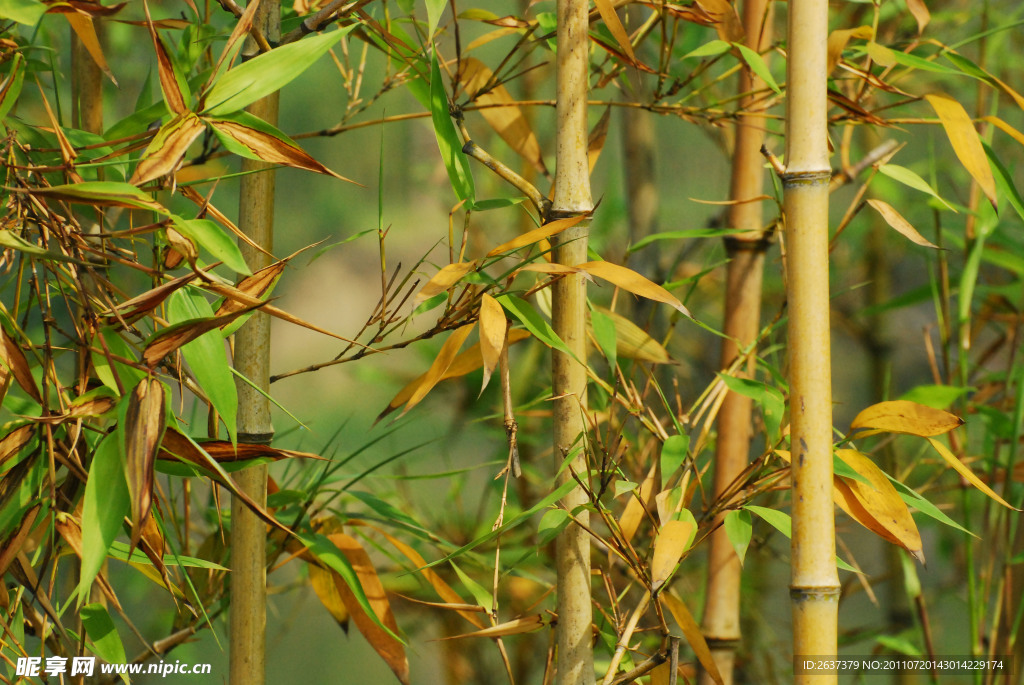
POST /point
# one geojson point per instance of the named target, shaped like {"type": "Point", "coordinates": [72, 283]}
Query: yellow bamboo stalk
{"type": "Point", "coordinates": [248, 614]}
{"type": "Point", "coordinates": [721, 624]}
{"type": "Point", "coordinates": [814, 581]}
{"type": "Point", "coordinates": [575, 660]}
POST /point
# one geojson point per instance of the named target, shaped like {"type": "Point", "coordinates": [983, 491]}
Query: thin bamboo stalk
{"type": "Point", "coordinates": [814, 582]}
{"type": "Point", "coordinates": [721, 625]}
{"type": "Point", "coordinates": [575, 660]}
{"type": "Point", "coordinates": [248, 613]}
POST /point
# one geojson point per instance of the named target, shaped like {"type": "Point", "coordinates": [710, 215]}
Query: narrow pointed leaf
{"type": "Point", "coordinates": [444, 279]}
{"type": "Point", "coordinates": [516, 626]}
{"type": "Point", "coordinates": [215, 240]}
{"type": "Point", "coordinates": [169, 339]}
{"type": "Point", "coordinates": [967, 473]}
{"type": "Point", "coordinates": [911, 180]}
{"type": "Point", "coordinates": [455, 162]}
{"type": "Point", "coordinates": [636, 506]}
{"type": "Point", "coordinates": [324, 586]}
{"type": "Point", "coordinates": [82, 25]}
{"type": "Point", "coordinates": [921, 14]}
{"type": "Point", "coordinates": [536, 235]}
{"type": "Point", "coordinates": [251, 137]}
{"type": "Point", "coordinates": [104, 507]}
{"type": "Point", "coordinates": [739, 530]}
{"type": "Point", "coordinates": [101, 194]}
{"type": "Point", "coordinates": [693, 634]}
{"type": "Point", "coordinates": [14, 359]}
{"type": "Point", "coordinates": [267, 73]}
{"type": "Point", "coordinates": [899, 224]}
{"type": "Point", "coordinates": [106, 643]}
{"type": "Point", "coordinates": [966, 143]}
{"type": "Point", "coordinates": [758, 66]}
{"type": "Point", "coordinates": [10, 89]}
{"type": "Point", "coordinates": [627, 279]}
{"type": "Point", "coordinates": [170, 82]}
{"type": "Point", "coordinates": [614, 24]}
{"type": "Point", "coordinates": [143, 429]}
{"type": "Point", "coordinates": [444, 359]}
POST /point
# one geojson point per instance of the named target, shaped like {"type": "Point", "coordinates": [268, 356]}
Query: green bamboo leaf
{"type": "Point", "coordinates": [739, 529]}
{"type": "Point", "coordinates": [216, 241]}
{"type": "Point", "coordinates": [119, 550]}
{"type": "Point", "coordinates": [27, 12]}
{"type": "Point", "coordinates": [915, 500]}
{"type": "Point", "coordinates": [106, 643]}
{"type": "Point", "coordinates": [604, 332]}
{"type": "Point", "coordinates": [758, 66]}
{"type": "Point", "coordinates": [10, 89]}
{"type": "Point", "coordinates": [128, 375]}
{"type": "Point", "coordinates": [673, 454]}
{"type": "Point", "coordinates": [267, 73]}
{"type": "Point", "coordinates": [434, 10]}
{"type": "Point", "coordinates": [685, 234]}
{"type": "Point", "coordinates": [104, 508]}
{"type": "Point", "coordinates": [551, 524]}
{"type": "Point", "coordinates": [915, 62]}
{"type": "Point", "coordinates": [102, 194]}
{"type": "Point", "coordinates": [912, 180]}
{"type": "Point", "coordinates": [206, 356]}
{"type": "Point", "coordinates": [782, 522]}
{"type": "Point", "coordinates": [771, 400]}
{"type": "Point", "coordinates": [1004, 181]}
{"type": "Point", "coordinates": [448, 143]}
{"type": "Point", "coordinates": [715, 47]}
{"type": "Point", "coordinates": [524, 312]}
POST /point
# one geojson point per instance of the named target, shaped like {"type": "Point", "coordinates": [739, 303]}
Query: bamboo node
{"type": "Point", "coordinates": [794, 179]}
{"type": "Point", "coordinates": [256, 438]}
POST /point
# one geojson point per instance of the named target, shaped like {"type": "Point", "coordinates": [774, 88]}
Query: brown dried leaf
{"type": "Point", "coordinates": [165, 67]}
{"type": "Point", "coordinates": [176, 446]}
{"type": "Point", "coordinates": [12, 356]}
{"type": "Point", "coordinates": [693, 634]}
{"type": "Point", "coordinates": [877, 507]}
{"type": "Point", "coordinates": [448, 276]}
{"type": "Point", "coordinates": [899, 224]}
{"type": "Point", "coordinates": [13, 442]}
{"type": "Point", "coordinates": [536, 235]}
{"type": "Point", "coordinates": [966, 143]}
{"type": "Point", "coordinates": [143, 430]}
{"type": "Point", "coordinates": [493, 325]}
{"type": "Point", "coordinates": [614, 24]}
{"type": "Point", "coordinates": [501, 111]}
{"type": "Point", "coordinates": [171, 338]}
{"type": "Point", "coordinates": [169, 145]}
{"type": "Point", "coordinates": [271, 149]}
{"type": "Point", "coordinates": [726, 21]}
{"type": "Point", "coordinates": [255, 286]}
{"type": "Point", "coordinates": [389, 648]}
{"type": "Point", "coordinates": [903, 416]}
{"type": "Point", "coordinates": [627, 279]}
{"type": "Point", "coordinates": [140, 305]}
{"type": "Point", "coordinates": [673, 540]}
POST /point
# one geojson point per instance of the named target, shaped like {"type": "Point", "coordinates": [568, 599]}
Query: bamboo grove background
{"type": "Point", "coordinates": [464, 342]}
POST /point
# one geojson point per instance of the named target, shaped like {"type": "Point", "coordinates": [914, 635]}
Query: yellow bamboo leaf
{"type": "Point", "coordinates": [660, 674]}
{"type": "Point", "coordinates": [492, 335]}
{"type": "Point", "coordinates": [921, 14]}
{"type": "Point", "coordinates": [82, 25]}
{"type": "Point", "coordinates": [880, 54]}
{"type": "Point", "coordinates": [611, 20]}
{"type": "Point", "coordinates": [322, 581]}
{"type": "Point", "coordinates": [468, 361]}
{"type": "Point", "coordinates": [536, 235]}
{"type": "Point", "coordinates": [513, 627]}
{"type": "Point", "coordinates": [903, 416]}
{"type": "Point", "coordinates": [693, 634]}
{"type": "Point", "coordinates": [492, 35]}
{"type": "Point", "coordinates": [968, 475]}
{"type": "Point", "coordinates": [633, 514]}
{"type": "Point", "coordinates": [966, 144]}
{"type": "Point", "coordinates": [727, 22]}
{"type": "Point", "coordinates": [1006, 128]}
{"type": "Point", "coordinates": [504, 115]}
{"type": "Point", "coordinates": [632, 342]}
{"type": "Point", "coordinates": [436, 371]}
{"type": "Point", "coordinates": [838, 39]}
{"type": "Point", "coordinates": [878, 506]}
{"type": "Point", "coordinates": [444, 279]}
{"type": "Point", "coordinates": [899, 224]}
{"type": "Point", "coordinates": [627, 279]}
{"type": "Point", "coordinates": [673, 539]}
{"type": "Point", "coordinates": [387, 646]}
{"type": "Point", "coordinates": [550, 268]}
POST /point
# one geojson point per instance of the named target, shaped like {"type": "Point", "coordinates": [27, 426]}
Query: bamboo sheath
{"type": "Point", "coordinates": [814, 583]}
{"type": "Point", "coordinates": [575, 661]}
{"type": "Point", "coordinates": [248, 619]}
{"type": "Point", "coordinates": [721, 624]}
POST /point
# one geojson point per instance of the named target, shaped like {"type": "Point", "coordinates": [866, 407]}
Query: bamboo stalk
{"type": "Point", "coordinates": [248, 613]}
{"type": "Point", "coordinates": [814, 583]}
{"type": "Point", "coordinates": [575, 660]}
{"type": "Point", "coordinates": [721, 625]}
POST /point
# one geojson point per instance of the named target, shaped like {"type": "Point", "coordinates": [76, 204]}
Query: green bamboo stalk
{"type": "Point", "coordinates": [814, 581]}
{"type": "Point", "coordinates": [248, 613]}
{"type": "Point", "coordinates": [721, 625]}
{"type": "Point", "coordinates": [575, 660]}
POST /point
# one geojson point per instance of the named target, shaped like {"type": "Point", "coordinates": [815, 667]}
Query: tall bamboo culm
{"type": "Point", "coordinates": [575, 660]}
{"type": "Point", "coordinates": [744, 273]}
{"type": "Point", "coordinates": [814, 581]}
{"type": "Point", "coordinates": [248, 613]}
